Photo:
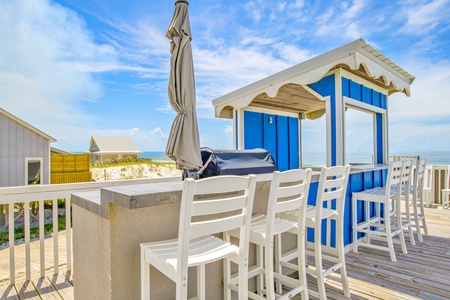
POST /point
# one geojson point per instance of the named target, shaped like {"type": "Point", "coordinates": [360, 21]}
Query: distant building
{"type": "Point", "coordinates": [24, 152]}
{"type": "Point", "coordinates": [103, 148]}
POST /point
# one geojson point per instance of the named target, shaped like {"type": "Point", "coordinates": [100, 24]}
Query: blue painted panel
{"type": "Point", "coordinates": [379, 138]}
{"type": "Point", "coordinates": [324, 86]}
{"type": "Point", "coordinates": [376, 99]}
{"type": "Point", "coordinates": [348, 225]}
{"type": "Point", "coordinates": [377, 178]}
{"type": "Point", "coordinates": [368, 180]}
{"type": "Point", "coordinates": [270, 135]}
{"type": "Point", "coordinates": [366, 95]}
{"type": "Point", "coordinates": [253, 130]}
{"type": "Point", "coordinates": [383, 101]}
{"type": "Point", "coordinates": [282, 143]}
{"type": "Point", "coordinates": [293, 143]}
{"type": "Point", "coordinates": [345, 87]}
{"type": "Point", "coordinates": [355, 185]}
{"type": "Point", "coordinates": [355, 91]}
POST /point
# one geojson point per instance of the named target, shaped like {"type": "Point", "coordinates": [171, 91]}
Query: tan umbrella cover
{"type": "Point", "coordinates": [183, 144]}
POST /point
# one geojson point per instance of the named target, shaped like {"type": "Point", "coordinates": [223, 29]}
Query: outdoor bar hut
{"type": "Point", "coordinates": [268, 113]}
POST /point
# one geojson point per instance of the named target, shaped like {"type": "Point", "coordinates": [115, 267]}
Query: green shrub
{"type": "Point", "coordinates": [34, 232]}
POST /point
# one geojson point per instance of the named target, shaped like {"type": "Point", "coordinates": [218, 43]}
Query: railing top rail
{"type": "Point", "coordinates": [44, 188]}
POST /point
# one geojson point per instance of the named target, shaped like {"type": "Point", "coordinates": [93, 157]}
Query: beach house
{"type": "Point", "coordinates": [104, 148]}
{"type": "Point", "coordinates": [25, 152]}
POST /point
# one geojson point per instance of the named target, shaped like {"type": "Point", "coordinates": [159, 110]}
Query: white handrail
{"type": "Point", "coordinates": [24, 195]}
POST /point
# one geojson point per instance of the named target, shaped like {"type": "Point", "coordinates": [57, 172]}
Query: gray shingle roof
{"type": "Point", "coordinates": [113, 144]}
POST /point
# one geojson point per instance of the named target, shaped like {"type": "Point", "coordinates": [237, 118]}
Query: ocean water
{"type": "Point", "coordinates": [432, 157]}
{"type": "Point", "coordinates": [317, 159]}
{"type": "Point", "coordinates": [155, 155]}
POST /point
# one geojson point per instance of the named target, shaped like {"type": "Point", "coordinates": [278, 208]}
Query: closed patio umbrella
{"type": "Point", "coordinates": [183, 144]}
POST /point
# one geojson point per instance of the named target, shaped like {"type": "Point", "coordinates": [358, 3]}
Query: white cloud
{"type": "Point", "coordinates": [423, 17]}
{"type": "Point", "coordinates": [38, 82]}
{"type": "Point", "coordinates": [152, 140]}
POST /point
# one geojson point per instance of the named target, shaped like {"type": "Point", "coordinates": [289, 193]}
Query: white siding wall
{"type": "Point", "coordinates": [16, 143]}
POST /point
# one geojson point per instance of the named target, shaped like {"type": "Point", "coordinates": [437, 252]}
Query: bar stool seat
{"type": "Point", "coordinates": [329, 209]}
{"type": "Point", "coordinates": [208, 206]}
{"type": "Point", "coordinates": [378, 224]}
{"type": "Point", "coordinates": [288, 192]}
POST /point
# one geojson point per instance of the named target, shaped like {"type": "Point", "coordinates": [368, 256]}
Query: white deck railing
{"type": "Point", "coordinates": [11, 197]}
{"type": "Point", "coordinates": [439, 181]}
{"type": "Point", "coordinates": [23, 196]}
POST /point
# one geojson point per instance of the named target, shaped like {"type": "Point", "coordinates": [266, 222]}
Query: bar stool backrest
{"type": "Point", "coordinates": [214, 205]}
{"type": "Point", "coordinates": [331, 195]}
{"type": "Point", "coordinates": [288, 193]}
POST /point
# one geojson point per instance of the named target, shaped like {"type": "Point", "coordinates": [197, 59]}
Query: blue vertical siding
{"type": "Point", "coordinates": [379, 138]}
{"type": "Point", "coordinates": [270, 135]}
{"type": "Point", "coordinates": [279, 136]}
{"type": "Point", "coordinates": [355, 91]}
{"type": "Point", "coordinates": [362, 93]}
{"type": "Point", "coordinates": [383, 101]}
{"type": "Point", "coordinates": [345, 87]}
{"type": "Point", "coordinates": [282, 143]}
{"type": "Point", "coordinates": [376, 98]}
{"type": "Point", "coordinates": [293, 143]}
{"type": "Point", "coordinates": [366, 96]}
{"type": "Point", "coordinates": [253, 130]}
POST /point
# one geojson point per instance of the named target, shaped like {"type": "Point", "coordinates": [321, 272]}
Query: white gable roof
{"type": "Point", "coordinates": [113, 144]}
{"type": "Point", "coordinates": [26, 125]}
{"type": "Point", "coordinates": [357, 56]}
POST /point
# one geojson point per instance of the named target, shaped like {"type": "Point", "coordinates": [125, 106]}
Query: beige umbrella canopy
{"type": "Point", "coordinates": [183, 144]}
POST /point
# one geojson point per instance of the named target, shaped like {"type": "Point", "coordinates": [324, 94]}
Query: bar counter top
{"type": "Point", "coordinates": [136, 196]}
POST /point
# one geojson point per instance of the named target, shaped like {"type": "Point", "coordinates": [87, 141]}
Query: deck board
{"type": "Point", "coordinates": [8, 293]}
{"type": "Point", "coordinates": [420, 274]}
{"type": "Point", "coordinates": [423, 273]}
{"type": "Point", "coordinates": [46, 290]}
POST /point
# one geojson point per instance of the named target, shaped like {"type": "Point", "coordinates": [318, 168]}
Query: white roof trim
{"type": "Point", "coordinates": [352, 54]}
{"type": "Point", "coordinates": [26, 125]}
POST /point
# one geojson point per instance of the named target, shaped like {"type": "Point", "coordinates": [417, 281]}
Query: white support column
{"type": "Point", "coordinates": [238, 121]}
{"type": "Point", "coordinates": [340, 119]}
{"type": "Point", "coordinates": [328, 129]}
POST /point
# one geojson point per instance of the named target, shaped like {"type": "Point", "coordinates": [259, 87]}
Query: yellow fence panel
{"type": "Point", "coordinates": [71, 177]}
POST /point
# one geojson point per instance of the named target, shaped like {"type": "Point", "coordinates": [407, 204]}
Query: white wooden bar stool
{"type": "Point", "coordinates": [377, 223]}
{"type": "Point", "coordinates": [418, 195]}
{"type": "Point", "coordinates": [288, 192]}
{"type": "Point", "coordinates": [203, 205]}
{"type": "Point", "coordinates": [329, 209]}
{"type": "Point", "coordinates": [405, 182]}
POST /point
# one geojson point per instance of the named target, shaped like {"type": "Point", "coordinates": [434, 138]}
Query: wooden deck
{"type": "Point", "coordinates": [424, 273]}
{"type": "Point", "coordinates": [48, 288]}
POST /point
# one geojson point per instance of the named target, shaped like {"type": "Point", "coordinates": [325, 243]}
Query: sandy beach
{"type": "Point", "coordinates": [137, 171]}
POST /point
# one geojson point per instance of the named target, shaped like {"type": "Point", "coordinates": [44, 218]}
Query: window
{"type": "Point", "coordinates": [359, 142]}
{"type": "Point", "coordinates": [33, 170]}
{"type": "Point", "coordinates": [366, 136]}
{"type": "Point", "coordinates": [314, 146]}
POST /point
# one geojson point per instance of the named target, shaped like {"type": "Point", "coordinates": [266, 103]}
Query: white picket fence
{"type": "Point", "coordinates": [13, 197]}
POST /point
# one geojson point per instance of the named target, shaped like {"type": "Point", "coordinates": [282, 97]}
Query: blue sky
{"type": "Point", "coordinates": [76, 68]}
